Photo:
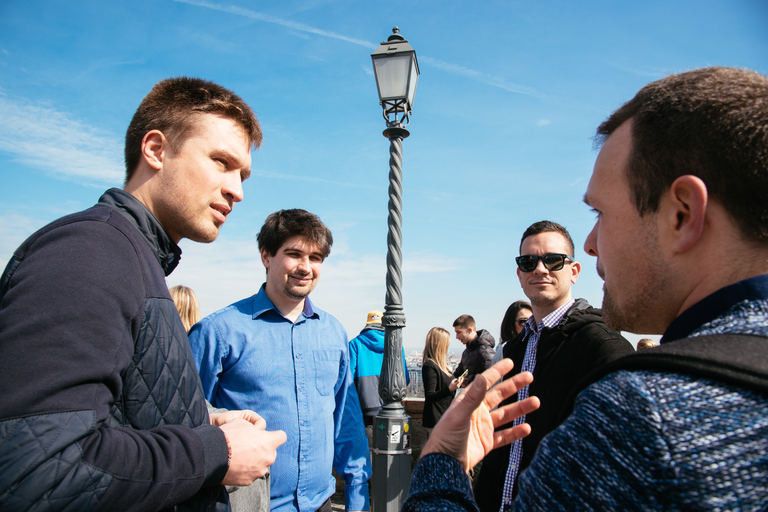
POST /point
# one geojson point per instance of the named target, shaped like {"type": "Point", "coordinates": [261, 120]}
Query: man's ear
{"type": "Point", "coordinates": [575, 271]}
{"type": "Point", "coordinates": [265, 258]}
{"type": "Point", "coordinates": [153, 147]}
{"type": "Point", "coordinates": [685, 209]}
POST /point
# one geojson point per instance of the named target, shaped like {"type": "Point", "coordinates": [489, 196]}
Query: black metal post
{"type": "Point", "coordinates": [391, 436]}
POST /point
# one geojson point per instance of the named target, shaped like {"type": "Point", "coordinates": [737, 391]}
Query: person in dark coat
{"type": "Point", "coordinates": [439, 384]}
{"type": "Point", "coordinates": [102, 406]}
{"type": "Point", "coordinates": [479, 353]}
{"type": "Point", "coordinates": [563, 341]}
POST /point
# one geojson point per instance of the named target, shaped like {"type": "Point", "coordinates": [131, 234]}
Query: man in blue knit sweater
{"type": "Point", "coordinates": [681, 238]}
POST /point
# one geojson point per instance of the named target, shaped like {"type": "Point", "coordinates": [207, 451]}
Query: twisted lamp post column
{"type": "Point", "coordinates": [397, 72]}
{"type": "Point", "coordinates": [392, 385]}
{"type": "Point", "coordinates": [392, 451]}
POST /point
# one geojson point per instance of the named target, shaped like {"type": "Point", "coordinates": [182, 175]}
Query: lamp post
{"type": "Point", "coordinates": [397, 71]}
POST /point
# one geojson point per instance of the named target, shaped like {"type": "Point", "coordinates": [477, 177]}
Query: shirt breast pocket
{"type": "Point", "coordinates": [327, 369]}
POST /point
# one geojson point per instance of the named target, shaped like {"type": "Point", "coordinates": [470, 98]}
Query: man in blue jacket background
{"type": "Point", "coordinates": [366, 355]}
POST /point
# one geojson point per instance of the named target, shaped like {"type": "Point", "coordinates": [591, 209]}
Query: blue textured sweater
{"type": "Point", "coordinates": [647, 440]}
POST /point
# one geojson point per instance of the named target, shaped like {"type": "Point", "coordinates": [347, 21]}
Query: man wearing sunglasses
{"type": "Point", "coordinates": [563, 341]}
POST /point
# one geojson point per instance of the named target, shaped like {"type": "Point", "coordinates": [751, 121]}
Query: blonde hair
{"type": "Point", "coordinates": [186, 302]}
{"type": "Point", "coordinates": [645, 343]}
{"type": "Point", "coordinates": [436, 347]}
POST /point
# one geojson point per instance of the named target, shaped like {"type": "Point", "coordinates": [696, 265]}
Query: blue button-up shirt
{"type": "Point", "coordinates": [296, 376]}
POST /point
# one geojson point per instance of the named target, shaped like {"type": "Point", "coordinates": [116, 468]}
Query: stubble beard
{"type": "Point", "coordinates": [642, 307]}
{"type": "Point", "coordinates": [196, 227]}
{"type": "Point", "coordinates": [613, 315]}
{"type": "Point", "coordinates": [546, 300]}
{"type": "Point", "coordinates": [204, 236]}
{"type": "Point", "coordinates": [295, 292]}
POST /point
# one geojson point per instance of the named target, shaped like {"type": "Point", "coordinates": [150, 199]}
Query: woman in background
{"type": "Point", "coordinates": [514, 320]}
{"type": "Point", "coordinates": [186, 302]}
{"type": "Point", "coordinates": [439, 383]}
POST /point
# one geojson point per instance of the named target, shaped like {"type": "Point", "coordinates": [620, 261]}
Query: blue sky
{"type": "Point", "coordinates": [509, 97]}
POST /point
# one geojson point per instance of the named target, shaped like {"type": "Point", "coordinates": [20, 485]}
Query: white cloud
{"type": "Point", "coordinates": [543, 122]}
{"type": "Point", "coordinates": [479, 76]}
{"type": "Point", "coordinates": [301, 27]}
{"type": "Point", "coordinates": [52, 141]}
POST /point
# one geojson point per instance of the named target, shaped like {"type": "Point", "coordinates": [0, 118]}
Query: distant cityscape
{"type": "Point", "coordinates": [413, 363]}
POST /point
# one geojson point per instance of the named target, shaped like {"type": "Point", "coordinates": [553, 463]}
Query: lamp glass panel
{"type": "Point", "coordinates": [412, 82]}
{"type": "Point", "coordinates": [392, 74]}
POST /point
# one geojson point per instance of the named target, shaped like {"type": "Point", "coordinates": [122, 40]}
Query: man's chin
{"type": "Point", "coordinates": [203, 236]}
{"type": "Point", "coordinates": [298, 293]}
{"type": "Point", "coordinates": [614, 317]}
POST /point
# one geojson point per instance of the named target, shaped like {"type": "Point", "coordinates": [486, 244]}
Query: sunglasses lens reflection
{"type": "Point", "coordinates": [553, 261]}
{"type": "Point", "coordinates": [529, 262]}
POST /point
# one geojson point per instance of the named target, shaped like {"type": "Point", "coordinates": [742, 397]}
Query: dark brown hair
{"type": "Point", "coordinates": [172, 106]}
{"type": "Point", "coordinates": [465, 321]}
{"type": "Point", "coordinates": [285, 224]}
{"type": "Point", "coordinates": [711, 123]}
{"type": "Point", "coordinates": [508, 323]}
{"type": "Point", "coordinates": [547, 226]}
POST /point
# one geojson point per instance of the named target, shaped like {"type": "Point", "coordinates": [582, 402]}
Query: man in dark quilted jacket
{"type": "Point", "coordinates": [102, 407]}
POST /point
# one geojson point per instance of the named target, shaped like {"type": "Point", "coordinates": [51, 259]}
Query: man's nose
{"type": "Point", "coordinates": [304, 263]}
{"type": "Point", "coordinates": [540, 268]}
{"type": "Point", "coordinates": [233, 187]}
{"type": "Point", "coordinates": [590, 244]}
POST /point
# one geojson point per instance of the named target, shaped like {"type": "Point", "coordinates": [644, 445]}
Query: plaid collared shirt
{"type": "Point", "coordinates": [532, 331]}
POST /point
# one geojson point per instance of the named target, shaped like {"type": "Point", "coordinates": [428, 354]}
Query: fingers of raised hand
{"type": "Point", "coordinates": [510, 435]}
{"type": "Point", "coordinates": [507, 388]}
{"type": "Point", "coordinates": [510, 412]}
{"type": "Point", "coordinates": [497, 371]}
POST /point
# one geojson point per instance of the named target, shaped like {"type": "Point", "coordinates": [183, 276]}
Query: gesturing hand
{"type": "Point", "coordinates": [466, 430]}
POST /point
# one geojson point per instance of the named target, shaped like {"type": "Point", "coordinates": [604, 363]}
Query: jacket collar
{"type": "Point", "coordinates": [167, 252]}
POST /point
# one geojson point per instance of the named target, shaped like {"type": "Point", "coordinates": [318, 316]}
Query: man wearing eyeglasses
{"type": "Point", "coordinates": [563, 341]}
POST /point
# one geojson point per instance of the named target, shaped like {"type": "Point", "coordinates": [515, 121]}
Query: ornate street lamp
{"type": "Point", "coordinates": [397, 71]}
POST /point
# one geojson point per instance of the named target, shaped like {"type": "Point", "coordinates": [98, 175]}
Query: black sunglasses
{"type": "Point", "coordinates": [521, 321]}
{"type": "Point", "coordinates": [529, 262]}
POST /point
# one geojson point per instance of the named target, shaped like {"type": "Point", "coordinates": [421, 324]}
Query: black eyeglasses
{"type": "Point", "coordinates": [521, 321]}
{"type": "Point", "coordinates": [529, 262]}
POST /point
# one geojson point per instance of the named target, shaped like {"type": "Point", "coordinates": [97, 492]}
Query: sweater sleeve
{"type": "Point", "coordinates": [70, 301]}
{"type": "Point", "coordinates": [608, 455]}
{"type": "Point", "coordinates": [439, 483]}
